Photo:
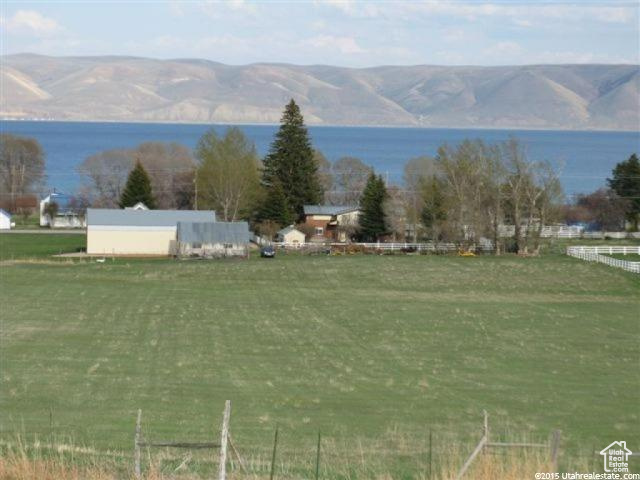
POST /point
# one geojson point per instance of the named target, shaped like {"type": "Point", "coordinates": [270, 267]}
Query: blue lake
{"type": "Point", "coordinates": [585, 158]}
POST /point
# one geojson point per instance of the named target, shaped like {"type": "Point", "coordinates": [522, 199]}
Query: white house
{"type": "Point", "coordinates": [138, 232]}
{"type": "Point", "coordinates": [68, 215]}
{"type": "Point", "coordinates": [291, 236]}
{"type": "Point", "coordinates": [5, 220]}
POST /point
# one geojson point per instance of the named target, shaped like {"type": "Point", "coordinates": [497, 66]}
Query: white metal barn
{"type": "Point", "coordinates": [5, 220]}
{"type": "Point", "coordinates": [138, 232]}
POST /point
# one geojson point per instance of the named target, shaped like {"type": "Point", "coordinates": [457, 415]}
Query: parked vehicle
{"type": "Point", "coordinates": [268, 252]}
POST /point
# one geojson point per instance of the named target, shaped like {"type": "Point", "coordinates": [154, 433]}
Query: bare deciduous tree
{"type": "Point", "coordinates": [350, 177]}
{"type": "Point", "coordinates": [228, 176]}
{"type": "Point", "coordinates": [169, 165]}
{"type": "Point", "coordinates": [462, 177]}
{"type": "Point", "coordinates": [417, 171]}
{"type": "Point", "coordinates": [21, 166]}
{"type": "Point", "coordinates": [324, 173]}
{"type": "Point", "coordinates": [518, 183]}
{"type": "Point", "coordinates": [477, 189]}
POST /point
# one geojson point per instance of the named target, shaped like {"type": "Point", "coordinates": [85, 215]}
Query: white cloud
{"type": "Point", "coordinates": [522, 22]}
{"type": "Point", "coordinates": [454, 35]}
{"type": "Point", "coordinates": [175, 8]}
{"type": "Point", "coordinates": [241, 5]}
{"type": "Point", "coordinates": [319, 25]}
{"type": "Point", "coordinates": [31, 22]}
{"type": "Point", "coordinates": [168, 41]}
{"type": "Point", "coordinates": [346, 45]}
{"type": "Point", "coordinates": [506, 49]}
{"type": "Point", "coordinates": [518, 12]}
{"type": "Point", "coordinates": [218, 8]}
{"type": "Point", "coordinates": [578, 57]}
{"type": "Point", "coordinates": [354, 8]}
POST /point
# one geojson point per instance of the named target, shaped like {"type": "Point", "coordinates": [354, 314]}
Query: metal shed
{"type": "Point", "coordinates": [213, 239]}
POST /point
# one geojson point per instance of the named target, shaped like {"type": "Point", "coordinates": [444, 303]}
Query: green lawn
{"type": "Point", "coordinates": [31, 245]}
{"type": "Point", "coordinates": [630, 257]}
{"type": "Point", "coordinates": [361, 347]}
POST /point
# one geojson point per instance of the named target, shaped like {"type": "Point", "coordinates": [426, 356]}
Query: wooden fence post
{"type": "Point", "coordinates": [224, 434]}
{"type": "Point", "coordinates": [555, 446]}
{"type": "Point", "coordinates": [479, 448]}
{"type": "Point", "coordinates": [318, 457]}
{"type": "Point", "coordinates": [273, 455]}
{"type": "Point", "coordinates": [430, 454]}
{"type": "Point", "coordinates": [234, 450]}
{"type": "Point", "coordinates": [136, 442]}
{"type": "Point", "coordinates": [486, 425]}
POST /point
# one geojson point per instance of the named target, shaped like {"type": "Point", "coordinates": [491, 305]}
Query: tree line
{"type": "Point", "coordinates": [465, 194]}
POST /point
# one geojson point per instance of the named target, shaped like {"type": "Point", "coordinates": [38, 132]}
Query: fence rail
{"type": "Point", "coordinates": [600, 254]}
{"type": "Point", "coordinates": [397, 246]}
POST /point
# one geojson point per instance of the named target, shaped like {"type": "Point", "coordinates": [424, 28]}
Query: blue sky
{"type": "Point", "coordinates": [336, 32]}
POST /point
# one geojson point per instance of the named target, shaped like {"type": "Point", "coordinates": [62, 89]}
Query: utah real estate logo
{"type": "Point", "coordinates": [616, 457]}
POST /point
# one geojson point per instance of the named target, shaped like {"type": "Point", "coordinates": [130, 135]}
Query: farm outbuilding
{"type": "Point", "coordinates": [291, 236]}
{"type": "Point", "coordinates": [5, 220]}
{"type": "Point", "coordinates": [213, 239]}
{"type": "Point", "coordinates": [138, 232]}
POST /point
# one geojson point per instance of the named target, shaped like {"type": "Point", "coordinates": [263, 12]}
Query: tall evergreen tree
{"type": "Point", "coordinates": [137, 188]}
{"type": "Point", "coordinates": [626, 183]}
{"type": "Point", "coordinates": [372, 219]}
{"type": "Point", "coordinates": [290, 162]}
{"type": "Point", "coordinates": [275, 207]}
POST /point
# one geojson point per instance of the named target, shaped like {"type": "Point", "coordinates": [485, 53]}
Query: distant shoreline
{"type": "Point", "coordinates": [324, 125]}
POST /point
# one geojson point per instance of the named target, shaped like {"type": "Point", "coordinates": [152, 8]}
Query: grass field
{"type": "Point", "coordinates": [27, 245]}
{"type": "Point", "coordinates": [630, 257]}
{"type": "Point", "coordinates": [373, 350]}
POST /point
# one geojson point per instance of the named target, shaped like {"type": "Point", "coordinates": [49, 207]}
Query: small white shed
{"type": "Point", "coordinates": [291, 236]}
{"type": "Point", "coordinates": [5, 220]}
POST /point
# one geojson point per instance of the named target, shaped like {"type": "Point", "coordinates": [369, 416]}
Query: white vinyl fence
{"type": "Point", "coordinates": [600, 254]}
{"type": "Point", "coordinates": [391, 247]}
{"type": "Point", "coordinates": [421, 247]}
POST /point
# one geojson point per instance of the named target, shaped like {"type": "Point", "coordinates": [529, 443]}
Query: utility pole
{"type": "Point", "coordinates": [195, 183]}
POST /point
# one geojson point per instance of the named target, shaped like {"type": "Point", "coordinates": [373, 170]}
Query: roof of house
{"type": "Point", "coordinates": [213, 232]}
{"type": "Point", "coordinates": [288, 229]}
{"type": "Point", "coordinates": [146, 218]}
{"type": "Point", "coordinates": [137, 206]}
{"type": "Point", "coordinates": [328, 209]}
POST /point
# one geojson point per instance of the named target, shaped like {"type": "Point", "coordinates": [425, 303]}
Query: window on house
{"type": "Point", "coordinates": [319, 230]}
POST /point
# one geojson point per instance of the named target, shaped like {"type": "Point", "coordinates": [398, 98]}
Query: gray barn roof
{"type": "Point", "coordinates": [146, 218]}
{"type": "Point", "coordinates": [288, 229]}
{"type": "Point", "coordinates": [213, 232]}
{"type": "Point", "coordinates": [328, 209]}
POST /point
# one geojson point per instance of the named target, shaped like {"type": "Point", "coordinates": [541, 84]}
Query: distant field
{"type": "Point", "coordinates": [24, 245]}
{"type": "Point", "coordinates": [362, 347]}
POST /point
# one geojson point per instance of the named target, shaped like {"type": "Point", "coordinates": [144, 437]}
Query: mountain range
{"type": "Point", "coordinates": [110, 88]}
